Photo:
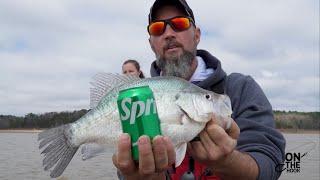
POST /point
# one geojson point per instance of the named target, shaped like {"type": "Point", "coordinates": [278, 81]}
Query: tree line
{"type": "Point", "coordinates": [37, 121]}
{"type": "Point", "coordinates": [283, 119]}
{"type": "Point", "coordinates": [297, 120]}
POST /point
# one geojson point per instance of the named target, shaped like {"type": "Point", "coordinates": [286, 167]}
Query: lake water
{"type": "Point", "coordinates": [20, 159]}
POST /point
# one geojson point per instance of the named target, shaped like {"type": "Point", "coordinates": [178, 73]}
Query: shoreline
{"type": "Point", "coordinates": [285, 131]}
{"type": "Point", "coordinates": [20, 130]}
{"type": "Point", "coordinates": [298, 131]}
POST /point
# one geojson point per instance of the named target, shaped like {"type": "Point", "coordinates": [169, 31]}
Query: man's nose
{"type": "Point", "coordinates": [169, 32]}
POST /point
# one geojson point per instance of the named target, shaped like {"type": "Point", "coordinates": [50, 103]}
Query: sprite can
{"type": "Point", "coordinates": [138, 115]}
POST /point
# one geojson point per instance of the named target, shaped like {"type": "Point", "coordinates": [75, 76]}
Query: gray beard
{"type": "Point", "coordinates": [177, 66]}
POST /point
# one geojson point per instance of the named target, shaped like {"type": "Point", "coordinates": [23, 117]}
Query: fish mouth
{"type": "Point", "coordinates": [197, 138]}
{"type": "Point", "coordinates": [186, 114]}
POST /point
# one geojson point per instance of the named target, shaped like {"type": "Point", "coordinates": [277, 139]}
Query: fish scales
{"type": "Point", "coordinates": [98, 125]}
{"type": "Point", "coordinates": [183, 109]}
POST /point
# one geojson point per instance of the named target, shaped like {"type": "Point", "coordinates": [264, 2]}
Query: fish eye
{"type": "Point", "coordinates": [208, 96]}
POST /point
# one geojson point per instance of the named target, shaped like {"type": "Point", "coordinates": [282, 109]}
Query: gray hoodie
{"type": "Point", "coordinates": [251, 111]}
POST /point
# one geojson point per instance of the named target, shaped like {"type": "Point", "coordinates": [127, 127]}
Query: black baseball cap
{"type": "Point", "coordinates": [180, 4]}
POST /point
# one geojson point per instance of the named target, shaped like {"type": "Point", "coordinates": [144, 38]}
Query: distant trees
{"type": "Point", "coordinates": [46, 120]}
{"type": "Point", "coordinates": [284, 120]}
{"type": "Point", "coordinates": [7, 122]}
{"type": "Point", "coordinates": [297, 120]}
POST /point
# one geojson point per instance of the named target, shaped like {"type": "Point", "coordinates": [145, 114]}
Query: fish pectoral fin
{"type": "Point", "coordinates": [91, 150]}
{"type": "Point", "coordinates": [180, 150]}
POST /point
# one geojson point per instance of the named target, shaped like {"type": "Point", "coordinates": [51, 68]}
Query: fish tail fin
{"type": "Point", "coordinates": [57, 149]}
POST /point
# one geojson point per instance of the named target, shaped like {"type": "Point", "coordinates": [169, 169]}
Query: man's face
{"type": "Point", "coordinates": [173, 47]}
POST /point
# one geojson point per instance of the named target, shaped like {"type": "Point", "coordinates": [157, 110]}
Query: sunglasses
{"type": "Point", "coordinates": [178, 24]}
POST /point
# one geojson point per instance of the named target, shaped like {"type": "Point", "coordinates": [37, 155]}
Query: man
{"type": "Point", "coordinates": [252, 154]}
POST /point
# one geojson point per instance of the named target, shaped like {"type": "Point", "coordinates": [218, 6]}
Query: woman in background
{"type": "Point", "coordinates": [132, 67]}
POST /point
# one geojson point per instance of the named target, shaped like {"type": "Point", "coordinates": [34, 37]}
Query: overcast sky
{"type": "Point", "coordinates": [49, 50]}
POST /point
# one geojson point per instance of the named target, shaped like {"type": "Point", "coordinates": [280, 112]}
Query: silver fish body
{"type": "Point", "coordinates": [183, 109]}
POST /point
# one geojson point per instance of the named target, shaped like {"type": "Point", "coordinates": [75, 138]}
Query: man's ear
{"type": "Point", "coordinates": [197, 35]}
{"type": "Point", "coordinates": [151, 45]}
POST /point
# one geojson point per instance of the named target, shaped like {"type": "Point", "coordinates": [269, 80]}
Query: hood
{"type": "Point", "coordinates": [214, 82]}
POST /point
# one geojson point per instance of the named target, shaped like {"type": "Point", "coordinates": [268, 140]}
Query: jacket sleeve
{"type": "Point", "coordinates": [253, 114]}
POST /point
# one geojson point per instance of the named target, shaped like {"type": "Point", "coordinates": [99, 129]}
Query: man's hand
{"type": "Point", "coordinates": [154, 158]}
{"type": "Point", "coordinates": [216, 149]}
{"type": "Point", "coordinates": [216, 143]}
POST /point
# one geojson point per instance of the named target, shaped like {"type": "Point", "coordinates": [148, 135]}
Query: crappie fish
{"type": "Point", "coordinates": [183, 109]}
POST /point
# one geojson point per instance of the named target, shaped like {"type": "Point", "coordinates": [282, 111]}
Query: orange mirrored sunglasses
{"type": "Point", "coordinates": [178, 24]}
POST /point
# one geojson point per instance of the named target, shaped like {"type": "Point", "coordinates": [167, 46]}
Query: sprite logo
{"type": "Point", "coordinates": [143, 108]}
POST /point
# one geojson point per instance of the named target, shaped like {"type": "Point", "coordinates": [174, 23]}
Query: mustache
{"type": "Point", "coordinates": [172, 43]}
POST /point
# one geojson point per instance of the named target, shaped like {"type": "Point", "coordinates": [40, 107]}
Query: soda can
{"type": "Point", "coordinates": [138, 115]}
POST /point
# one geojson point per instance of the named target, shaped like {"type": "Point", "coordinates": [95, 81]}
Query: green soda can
{"type": "Point", "coordinates": [138, 115]}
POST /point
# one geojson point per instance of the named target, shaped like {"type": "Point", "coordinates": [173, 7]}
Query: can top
{"type": "Point", "coordinates": [134, 91]}
{"type": "Point", "coordinates": [135, 88]}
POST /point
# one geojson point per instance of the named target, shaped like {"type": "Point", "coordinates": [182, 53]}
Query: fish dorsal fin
{"type": "Point", "coordinates": [102, 83]}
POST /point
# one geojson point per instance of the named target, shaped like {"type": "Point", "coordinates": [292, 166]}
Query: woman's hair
{"type": "Point", "coordinates": [136, 64]}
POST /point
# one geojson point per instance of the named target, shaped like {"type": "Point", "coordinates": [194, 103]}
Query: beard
{"type": "Point", "coordinates": [179, 66]}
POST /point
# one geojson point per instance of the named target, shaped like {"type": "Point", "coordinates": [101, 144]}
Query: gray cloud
{"type": "Point", "coordinates": [50, 50]}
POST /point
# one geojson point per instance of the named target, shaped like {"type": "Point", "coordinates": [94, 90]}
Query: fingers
{"type": "Point", "coordinates": [146, 158]}
{"type": "Point", "coordinates": [160, 154]}
{"type": "Point", "coordinates": [211, 148]}
{"type": "Point", "coordinates": [214, 138]}
{"type": "Point", "coordinates": [197, 150]}
{"type": "Point", "coordinates": [170, 151]}
{"type": "Point", "coordinates": [123, 159]}
{"type": "Point", "coordinates": [215, 142]}
{"type": "Point", "coordinates": [154, 157]}
{"type": "Point", "coordinates": [234, 130]}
